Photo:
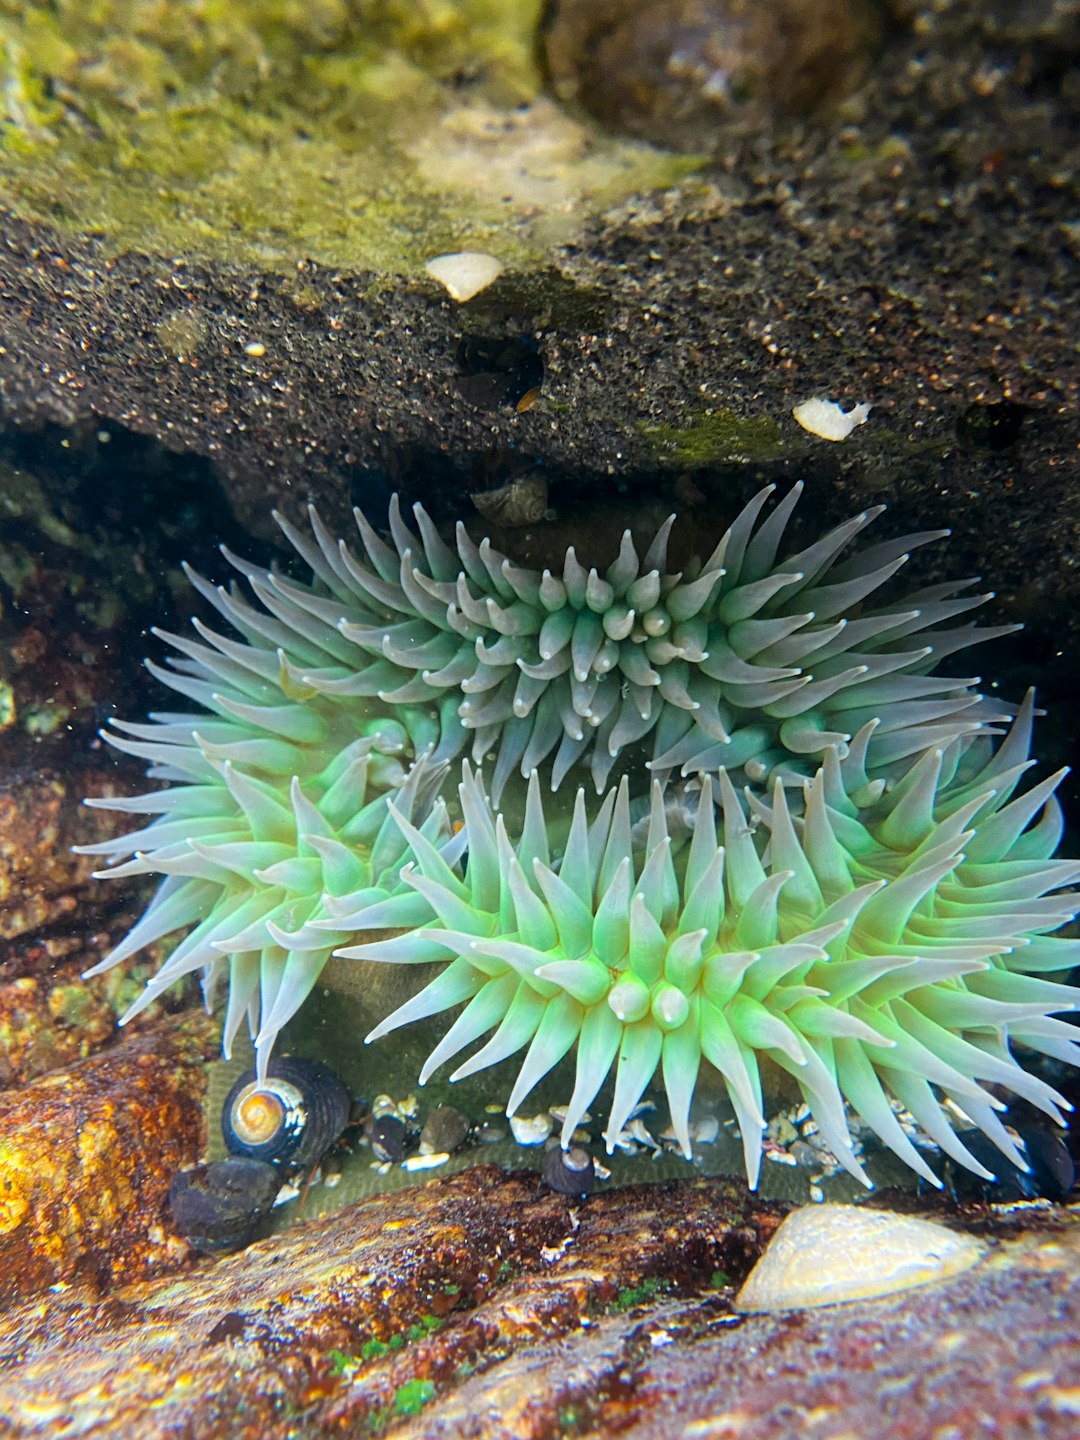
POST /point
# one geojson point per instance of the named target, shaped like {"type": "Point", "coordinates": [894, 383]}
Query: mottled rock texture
{"type": "Point", "coordinates": [486, 1308]}
{"type": "Point", "coordinates": [86, 1157]}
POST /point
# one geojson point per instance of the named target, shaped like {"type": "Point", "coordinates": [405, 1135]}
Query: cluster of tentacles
{"type": "Point", "coordinates": [817, 854]}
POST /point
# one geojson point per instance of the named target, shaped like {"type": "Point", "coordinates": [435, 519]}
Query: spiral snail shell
{"type": "Point", "coordinates": [290, 1120]}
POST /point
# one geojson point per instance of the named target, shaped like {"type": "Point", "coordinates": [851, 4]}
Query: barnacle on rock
{"type": "Point", "coordinates": [897, 953]}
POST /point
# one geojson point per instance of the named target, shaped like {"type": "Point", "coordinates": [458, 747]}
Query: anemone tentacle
{"type": "Point", "coordinates": [742, 661]}
{"type": "Point", "coordinates": [253, 858]}
{"type": "Point", "coordinates": [887, 969]}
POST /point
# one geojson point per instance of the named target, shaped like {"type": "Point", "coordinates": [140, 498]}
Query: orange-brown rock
{"type": "Point", "coordinates": [357, 1320]}
{"type": "Point", "coordinates": [86, 1157]}
{"type": "Point", "coordinates": [483, 1307]}
{"type": "Point", "coordinates": [56, 922]}
{"type": "Point", "coordinates": [42, 883]}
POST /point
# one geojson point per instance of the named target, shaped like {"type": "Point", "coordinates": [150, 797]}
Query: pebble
{"type": "Point", "coordinates": [531, 1129]}
{"type": "Point", "coordinates": [425, 1162]}
{"type": "Point", "coordinates": [827, 420]}
{"type": "Point", "coordinates": [444, 1130]}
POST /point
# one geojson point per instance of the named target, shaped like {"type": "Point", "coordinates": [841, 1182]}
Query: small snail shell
{"type": "Point", "coordinates": [570, 1172]}
{"type": "Point", "coordinates": [290, 1120]}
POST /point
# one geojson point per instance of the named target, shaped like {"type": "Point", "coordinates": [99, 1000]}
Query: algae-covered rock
{"type": "Point", "coordinates": [370, 136]}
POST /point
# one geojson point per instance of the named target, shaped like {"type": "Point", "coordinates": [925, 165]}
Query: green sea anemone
{"type": "Point", "coordinates": [743, 660]}
{"type": "Point", "coordinates": [895, 955]}
{"type": "Point", "coordinates": [878, 922]}
{"type": "Point", "coordinates": [253, 856]}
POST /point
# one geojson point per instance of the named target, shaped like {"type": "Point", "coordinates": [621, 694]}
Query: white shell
{"type": "Point", "coordinates": [425, 1162]}
{"type": "Point", "coordinates": [827, 420]}
{"type": "Point", "coordinates": [465, 273]}
{"type": "Point", "coordinates": [831, 1254]}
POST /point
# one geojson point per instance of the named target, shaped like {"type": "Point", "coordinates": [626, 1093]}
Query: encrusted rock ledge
{"type": "Point", "coordinates": [87, 1155]}
{"type": "Point", "coordinates": [367, 1315]}
{"type": "Point", "coordinates": [484, 1307]}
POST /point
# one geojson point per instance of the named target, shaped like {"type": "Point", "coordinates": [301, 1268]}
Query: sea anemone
{"type": "Point", "coordinates": [742, 660]}
{"type": "Point", "coordinates": [892, 955]}
{"type": "Point", "coordinates": [253, 860]}
{"type": "Point", "coordinates": [877, 922]}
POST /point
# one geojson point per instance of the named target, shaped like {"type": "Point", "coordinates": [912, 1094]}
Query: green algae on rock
{"type": "Point", "coordinates": [878, 921]}
{"type": "Point", "coordinates": [396, 132]}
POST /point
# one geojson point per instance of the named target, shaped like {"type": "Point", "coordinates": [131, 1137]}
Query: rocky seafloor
{"type": "Point", "coordinates": [185, 345]}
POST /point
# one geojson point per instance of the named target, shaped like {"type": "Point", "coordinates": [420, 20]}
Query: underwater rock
{"type": "Point", "coordinates": [445, 1129]}
{"type": "Point", "coordinates": [522, 502]}
{"type": "Point", "coordinates": [502, 1310]}
{"type": "Point", "coordinates": [87, 1156]}
{"type": "Point", "coordinates": [677, 72]}
{"type": "Point", "coordinates": [219, 1207]}
{"type": "Point", "coordinates": [1051, 1172]}
{"type": "Point", "coordinates": [336, 1317]}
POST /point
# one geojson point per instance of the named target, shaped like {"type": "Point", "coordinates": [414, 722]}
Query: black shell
{"type": "Point", "coordinates": [291, 1120]}
{"type": "Point", "coordinates": [570, 1172]}
{"type": "Point", "coordinates": [219, 1207]}
{"type": "Point", "coordinates": [1051, 1176]}
{"type": "Point", "coordinates": [388, 1135]}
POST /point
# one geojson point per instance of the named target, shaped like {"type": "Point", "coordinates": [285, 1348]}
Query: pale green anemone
{"type": "Point", "coordinates": [253, 861]}
{"type": "Point", "coordinates": [895, 955]}
{"type": "Point", "coordinates": [744, 660]}
{"type": "Point", "coordinates": [878, 921]}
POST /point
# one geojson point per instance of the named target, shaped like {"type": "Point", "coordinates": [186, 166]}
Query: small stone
{"type": "Point", "coordinates": [444, 1130]}
{"type": "Point", "coordinates": [531, 1129]}
{"type": "Point", "coordinates": [523, 502]}
{"type": "Point", "coordinates": [425, 1162]}
{"type": "Point", "coordinates": [832, 1254]}
{"type": "Point", "coordinates": [464, 273]}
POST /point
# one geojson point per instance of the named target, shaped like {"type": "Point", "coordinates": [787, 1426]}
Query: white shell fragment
{"type": "Point", "coordinates": [465, 273]}
{"type": "Point", "coordinates": [531, 1129]}
{"type": "Point", "coordinates": [425, 1162]}
{"type": "Point", "coordinates": [827, 420]}
{"type": "Point", "coordinates": [831, 1254]}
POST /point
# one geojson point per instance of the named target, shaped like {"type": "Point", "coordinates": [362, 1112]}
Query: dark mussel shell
{"type": "Point", "coordinates": [292, 1119]}
{"type": "Point", "coordinates": [219, 1207]}
{"type": "Point", "coordinates": [1051, 1175]}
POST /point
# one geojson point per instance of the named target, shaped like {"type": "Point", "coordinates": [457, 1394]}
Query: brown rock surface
{"type": "Point", "coordinates": [342, 1325]}
{"type": "Point", "coordinates": [486, 1308]}
{"type": "Point", "coordinates": [56, 921]}
{"type": "Point", "coordinates": [86, 1157]}
{"type": "Point", "coordinates": [991, 1353]}
{"type": "Point", "coordinates": [42, 882]}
